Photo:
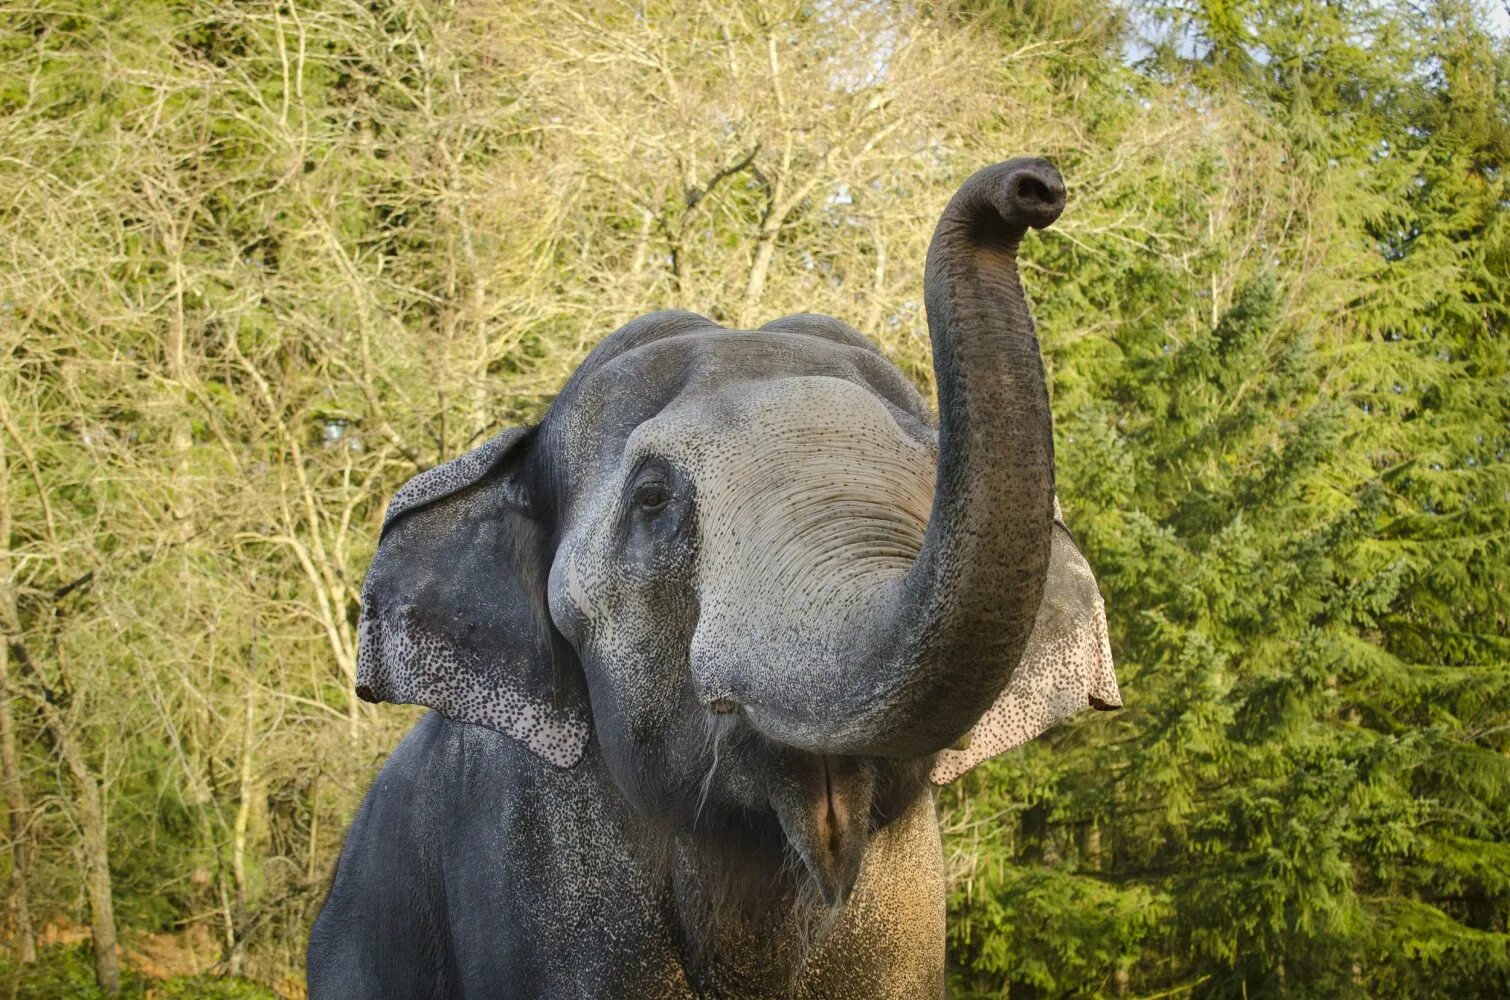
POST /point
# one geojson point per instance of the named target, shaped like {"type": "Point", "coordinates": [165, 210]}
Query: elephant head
{"type": "Point", "coordinates": [751, 568]}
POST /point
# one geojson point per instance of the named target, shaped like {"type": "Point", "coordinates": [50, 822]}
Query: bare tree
{"type": "Point", "coordinates": [308, 249]}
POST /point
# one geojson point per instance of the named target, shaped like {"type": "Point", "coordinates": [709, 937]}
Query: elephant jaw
{"type": "Point", "coordinates": [824, 805]}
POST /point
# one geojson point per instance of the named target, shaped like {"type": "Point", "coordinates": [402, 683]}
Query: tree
{"type": "Point", "coordinates": [1295, 497]}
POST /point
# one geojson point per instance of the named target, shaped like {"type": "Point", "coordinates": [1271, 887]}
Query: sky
{"type": "Point", "coordinates": [1498, 12]}
{"type": "Point", "coordinates": [1499, 19]}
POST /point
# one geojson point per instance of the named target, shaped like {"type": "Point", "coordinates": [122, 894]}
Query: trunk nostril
{"type": "Point", "coordinates": [1032, 189]}
{"type": "Point", "coordinates": [1035, 196]}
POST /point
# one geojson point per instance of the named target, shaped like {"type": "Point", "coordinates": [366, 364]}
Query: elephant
{"type": "Point", "coordinates": [700, 646]}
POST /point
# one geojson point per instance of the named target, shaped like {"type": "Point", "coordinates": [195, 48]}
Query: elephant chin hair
{"type": "Point", "coordinates": [716, 730]}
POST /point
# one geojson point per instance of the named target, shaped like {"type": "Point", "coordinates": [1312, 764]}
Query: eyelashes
{"type": "Point", "coordinates": [652, 496]}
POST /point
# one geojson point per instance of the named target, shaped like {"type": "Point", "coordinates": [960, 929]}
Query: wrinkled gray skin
{"type": "Point", "coordinates": [698, 639]}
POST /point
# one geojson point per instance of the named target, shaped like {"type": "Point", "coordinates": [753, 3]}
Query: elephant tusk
{"type": "Point", "coordinates": [963, 743]}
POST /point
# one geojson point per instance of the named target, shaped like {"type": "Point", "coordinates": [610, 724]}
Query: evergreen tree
{"type": "Point", "coordinates": [1300, 517]}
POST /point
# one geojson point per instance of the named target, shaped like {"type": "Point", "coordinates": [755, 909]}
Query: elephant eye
{"type": "Point", "coordinates": [652, 496]}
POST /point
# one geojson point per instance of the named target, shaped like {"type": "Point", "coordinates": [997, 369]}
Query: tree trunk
{"type": "Point", "coordinates": [1090, 846]}
{"type": "Point", "coordinates": [17, 809]}
{"type": "Point", "coordinates": [91, 813]}
{"type": "Point", "coordinates": [313, 857]}
{"type": "Point", "coordinates": [765, 250]}
{"type": "Point", "coordinates": [238, 837]}
{"type": "Point", "coordinates": [95, 843]}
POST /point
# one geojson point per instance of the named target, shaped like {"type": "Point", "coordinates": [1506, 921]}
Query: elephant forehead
{"type": "Point", "coordinates": [810, 463]}
{"type": "Point", "coordinates": [682, 384]}
{"type": "Point", "coordinates": [756, 438]}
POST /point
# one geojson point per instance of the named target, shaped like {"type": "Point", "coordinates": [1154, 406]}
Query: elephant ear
{"type": "Point", "coordinates": [1066, 668]}
{"type": "Point", "coordinates": [453, 607]}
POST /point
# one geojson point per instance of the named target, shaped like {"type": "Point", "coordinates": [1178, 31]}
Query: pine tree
{"type": "Point", "coordinates": [1299, 514]}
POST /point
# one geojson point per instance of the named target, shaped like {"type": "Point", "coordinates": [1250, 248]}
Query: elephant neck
{"type": "Point", "coordinates": [779, 940]}
{"type": "Point", "coordinates": [741, 935]}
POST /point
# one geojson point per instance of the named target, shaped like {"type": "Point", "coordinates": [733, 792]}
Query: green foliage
{"type": "Point", "coordinates": [1298, 507]}
{"type": "Point", "coordinates": [1048, 929]}
{"type": "Point", "coordinates": [65, 972]}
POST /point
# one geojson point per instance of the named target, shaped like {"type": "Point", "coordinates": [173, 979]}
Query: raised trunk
{"type": "Point", "coordinates": [936, 646]}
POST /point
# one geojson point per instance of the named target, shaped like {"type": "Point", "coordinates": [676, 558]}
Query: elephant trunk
{"type": "Point", "coordinates": [936, 646]}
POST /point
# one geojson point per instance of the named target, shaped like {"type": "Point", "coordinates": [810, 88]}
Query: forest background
{"type": "Point", "coordinates": [261, 262]}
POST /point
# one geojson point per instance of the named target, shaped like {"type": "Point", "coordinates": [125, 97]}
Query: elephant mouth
{"type": "Point", "coordinates": [824, 806]}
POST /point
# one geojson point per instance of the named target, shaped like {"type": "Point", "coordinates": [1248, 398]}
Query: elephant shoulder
{"type": "Point", "coordinates": [440, 772]}
{"type": "Point", "coordinates": [381, 931]}
{"type": "Point", "coordinates": [386, 927]}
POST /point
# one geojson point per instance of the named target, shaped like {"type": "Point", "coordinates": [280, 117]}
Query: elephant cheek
{"type": "Point", "coordinates": [569, 598]}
